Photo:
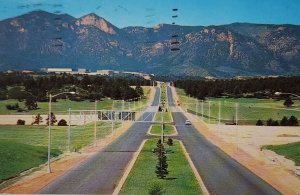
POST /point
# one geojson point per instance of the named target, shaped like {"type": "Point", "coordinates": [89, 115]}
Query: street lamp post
{"type": "Point", "coordinates": [49, 125]}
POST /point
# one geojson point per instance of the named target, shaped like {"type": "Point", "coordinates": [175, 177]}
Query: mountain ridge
{"type": "Point", "coordinates": [91, 41]}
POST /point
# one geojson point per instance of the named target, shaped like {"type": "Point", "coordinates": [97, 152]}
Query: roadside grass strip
{"type": "Point", "coordinates": [25, 147]}
{"type": "Point", "coordinates": [290, 151]}
{"type": "Point", "coordinates": [156, 130]}
{"type": "Point", "coordinates": [180, 180]}
{"type": "Point", "coordinates": [17, 157]}
{"type": "Point", "coordinates": [249, 109]}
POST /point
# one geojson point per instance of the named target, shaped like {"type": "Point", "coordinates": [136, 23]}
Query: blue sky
{"type": "Point", "coordinates": [151, 12]}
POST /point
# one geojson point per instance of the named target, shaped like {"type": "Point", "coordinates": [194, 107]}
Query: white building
{"type": "Point", "coordinates": [59, 70]}
{"type": "Point", "coordinates": [105, 72]}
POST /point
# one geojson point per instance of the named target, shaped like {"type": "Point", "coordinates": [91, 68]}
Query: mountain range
{"type": "Point", "coordinates": [40, 39]}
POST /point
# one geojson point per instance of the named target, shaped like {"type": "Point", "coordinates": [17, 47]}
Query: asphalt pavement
{"type": "Point", "coordinates": [221, 174]}
{"type": "Point", "coordinates": [101, 173]}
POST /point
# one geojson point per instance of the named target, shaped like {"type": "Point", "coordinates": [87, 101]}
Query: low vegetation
{"type": "Point", "coordinates": [143, 179]}
{"type": "Point", "coordinates": [168, 130]}
{"type": "Point", "coordinates": [250, 110]}
{"type": "Point", "coordinates": [290, 151]}
{"type": "Point", "coordinates": [17, 157]}
{"type": "Point", "coordinates": [24, 147]}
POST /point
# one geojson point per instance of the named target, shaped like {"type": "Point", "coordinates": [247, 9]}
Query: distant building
{"type": "Point", "coordinates": [82, 71]}
{"type": "Point", "coordinates": [105, 72]}
{"type": "Point", "coordinates": [27, 72]}
{"type": "Point", "coordinates": [59, 70]}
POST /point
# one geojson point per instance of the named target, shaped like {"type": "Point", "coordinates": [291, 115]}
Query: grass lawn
{"type": "Point", "coordinates": [62, 106]}
{"type": "Point", "coordinates": [290, 151]}
{"type": "Point", "coordinates": [249, 109]}
{"type": "Point", "coordinates": [17, 157]}
{"type": "Point", "coordinates": [38, 135]}
{"type": "Point", "coordinates": [156, 129]}
{"type": "Point", "coordinates": [24, 147]}
{"type": "Point", "coordinates": [167, 116]}
{"type": "Point", "coordinates": [180, 180]}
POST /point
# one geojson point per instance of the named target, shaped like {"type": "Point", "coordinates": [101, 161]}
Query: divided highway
{"type": "Point", "coordinates": [101, 173]}
{"type": "Point", "coordinates": [220, 173]}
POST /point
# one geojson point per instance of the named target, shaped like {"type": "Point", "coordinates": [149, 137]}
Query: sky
{"type": "Point", "coordinates": [148, 13]}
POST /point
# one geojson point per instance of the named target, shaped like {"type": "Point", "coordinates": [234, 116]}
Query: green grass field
{"type": "Point", "coordinates": [17, 157]}
{"type": "Point", "coordinates": [24, 147]}
{"type": "Point", "coordinates": [249, 109]}
{"type": "Point", "coordinates": [169, 129]}
{"type": "Point", "coordinates": [62, 106]}
{"type": "Point", "coordinates": [38, 135]}
{"type": "Point", "coordinates": [180, 180]}
{"type": "Point", "coordinates": [290, 151]}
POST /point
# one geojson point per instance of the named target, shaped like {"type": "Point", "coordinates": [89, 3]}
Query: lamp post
{"type": "Point", "coordinates": [49, 125]}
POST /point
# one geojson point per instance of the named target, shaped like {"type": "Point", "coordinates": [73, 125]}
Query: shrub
{"type": "Point", "coordinates": [293, 121]}
{"type": "Point", "coordinates": [259, 123]}
{"type": "Point", "coordinates": [272, 122]}
{"type": "Point", "coordinates": [156, 189]}
{"type": "Point", "coordinates": [170, 141]}
{"type": "Point", "coordinates": [21, 122]}
{"type": "Point", "coordinates": [62, 122]}
{"type": "Point", "coordinates": [284, 121]}
{"type": "Point", "coordinates": [13, 106]}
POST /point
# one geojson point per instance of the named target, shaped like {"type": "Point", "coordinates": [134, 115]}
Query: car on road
{"type": "Point", "coordinates": [188, 122]}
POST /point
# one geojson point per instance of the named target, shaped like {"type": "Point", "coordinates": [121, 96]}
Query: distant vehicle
{"type": "Point", "coordinates": [188, 122]}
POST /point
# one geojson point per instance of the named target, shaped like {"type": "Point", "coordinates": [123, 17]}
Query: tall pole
{"type": "Point", "coordinates": [197, 107]}
{"type": "Point", "coordinates": [202, 109]}
{"type": "Point", "coordinates": [49, 133]}
{"type": "Point", "coordinates": [208, 112]}
{"type": "Point", "coordinates": [236, 113]}
{"type": "Point", "coordinates": [112, 123]}
{"type": "Point", "coordinates": [69, 131]}
{"type": "Point", "coordinates": [219, 112]}
{"type": "Point", "coordinates": [162, 126]}
{"type": "Point", "coordinates": [95, 123]}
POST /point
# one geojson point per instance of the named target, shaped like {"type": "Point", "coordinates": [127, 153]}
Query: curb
{"type": "Point", "coordinates": [128, 169]}
{"type": "Point", "coordinates": [198, 177]}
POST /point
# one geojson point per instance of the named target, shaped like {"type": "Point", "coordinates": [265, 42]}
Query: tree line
{"type": "Point", "coordinates": [252, 87]}
{"type": "Point", "coordinates": [21, 86]}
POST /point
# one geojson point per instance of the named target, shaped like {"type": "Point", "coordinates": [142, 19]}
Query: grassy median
{"type": "Point", "coordinates": [180, 180]}
{"type": "Point", "coordinates": [169, 129]}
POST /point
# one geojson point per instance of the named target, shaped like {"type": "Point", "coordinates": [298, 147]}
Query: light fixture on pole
{"type": "Point", "coordinates": [49, 125]}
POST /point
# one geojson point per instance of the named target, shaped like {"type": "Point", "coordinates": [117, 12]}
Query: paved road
{"type": "Point", "coordinates": [221, 174]}
{"type": "Point", "coordinates": [101, 173]}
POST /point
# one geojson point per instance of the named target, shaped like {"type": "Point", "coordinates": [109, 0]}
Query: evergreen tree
{"type": "Point", "coordinates": [284, 121]}
{"type": "Point", "coordinates": [288, 102]}
{"type": "Point", "coordinates": [139, 90]}
{"type": "Point", "coordinates": [53, 119]}
{"type": "Point", "coordinates": [259, 123]}
{"type": "Point", "coordinates": [31, 103]}
{"type": "Point", "coordinates": [170, 141]}
{"type": "Point", "coordinates": [293, 121]}
{"type": "Point", "coordinates": [162, 165]}
{"type": "Point", "coordinates": [38, 119]}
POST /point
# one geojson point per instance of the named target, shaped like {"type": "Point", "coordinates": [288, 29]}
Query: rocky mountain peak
{"type": "Point", "coordinates": [94, 20]}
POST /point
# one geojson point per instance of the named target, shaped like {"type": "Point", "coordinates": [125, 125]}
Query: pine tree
{"type": "Point", "coordinates": [284, 121]}
{"type": "Point", "coordinates": [162, 165]}
{"type": "Point", "coordinates": [259, 123]}
{"type": "Point", "coordinates": [293, 121]}
{"type": "Point", "coordinates": [288, 102]}
{"type": "Point", "coordinates": [53, 119]}
{"type": "Point", "coordinates": [38, 119]}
